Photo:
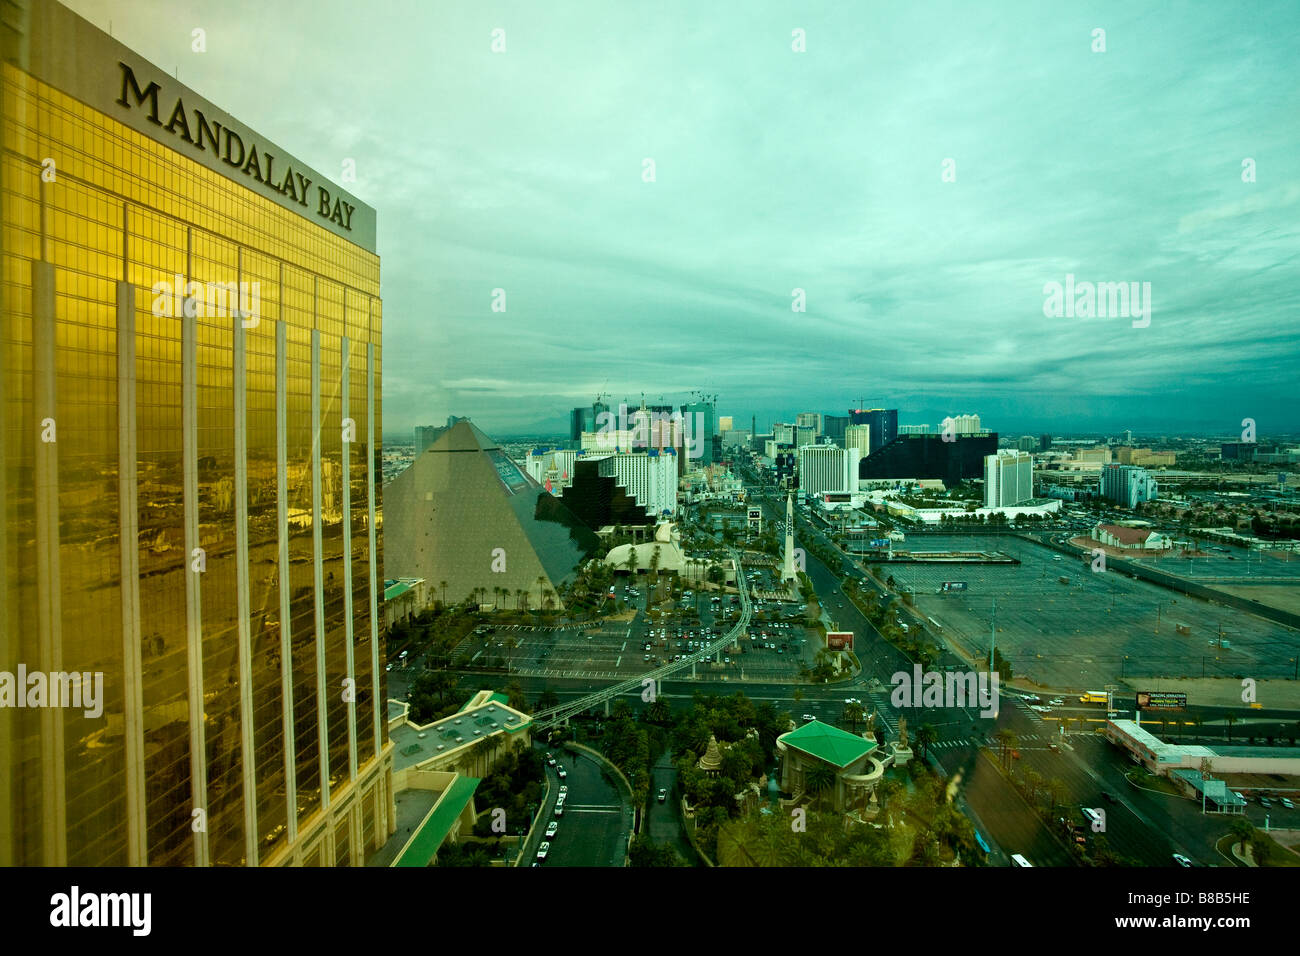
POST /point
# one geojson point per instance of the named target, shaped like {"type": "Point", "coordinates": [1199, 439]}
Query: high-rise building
{"type": "Point", "coordinates": [916, 429]}
{"type": "Point", "coordinates": [882, 421]}
{"type": "Point", "coordinates": [805, 435]}
{"type": "Point", "coordinates": [929, 456]}
{"type": "Point", "coordinates": [1008, 478]}
{"type": "Point", "coordinates": [1044, 442]}
{"type": "Point", "coordinates": [827, 468]}
{"type": "Point", "coordinates": [833, 427]}
{"type": "Point", "coordinates": [961, 425]}
{"type": "Point", "coordinates": [1127, 484]}
{"type": "Point", "coordinates": [811, 420]}
{"type": "Point", "coordinates": [190, 466]}
{"type": "Point", "coordinates": [1026, 443]}
{"type": "Point", "coordinates": [858, 437]}
{"type": "Point", "coordinates": [699, 418]}
{"type": "Point", "coordinates": [725, 423]}
{"type": "Point", "coordinates": [586, 418]}
{"type": "Point", "coordinates": [426, 435]}
{"type": "Point", "coordinates": [783, 433]}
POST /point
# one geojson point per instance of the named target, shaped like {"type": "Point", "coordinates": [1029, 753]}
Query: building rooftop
{"type": "Point", "coordinates": [1126, 535]}
{"type": "Point", "coordinates": [484, 716]}
{"type": "Point", "coordinates": [424, 844]}
{"type": "Point", "coordinates": [835, 746]}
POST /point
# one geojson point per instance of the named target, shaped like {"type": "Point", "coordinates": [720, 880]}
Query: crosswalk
{"type": "Point", "coordinates": [1021, 739]}
{"type": "Point", "coordinates": [549, 627]}
{"type": "Point", "coordinates": [1024, 708]}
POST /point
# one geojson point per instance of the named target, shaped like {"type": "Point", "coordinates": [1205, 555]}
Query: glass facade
{"type": "Point", "coordinates": [189, 492]}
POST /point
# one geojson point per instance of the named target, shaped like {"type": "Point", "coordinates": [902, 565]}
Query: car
{"type": "Point", "coordinates": [809, 716]}
{"type": "Point", "coordinates": [544, 849]}
{"type": "Point", "coordinates": [663, 794]}
{"type": "Point", "coordinates": [1286, 802]}
{"type": "Point", "coordinates": [564, 790]}
{"type": "Point", "coordinates": [389, 667]}
{"type": "Point", "coordinates": [550, 761]}
{"type": "Point", "coordinates": [559, 809]}
{"type": "Point", "coordinates": [1265, 801]}
{"type": "Point", "coordinates": [1056, 702]}
{"type": "Point", "coordinates": [1182, 860]}
{"type": "Point", "coordinates": [562, 772]}
{"type": "Point", "coordinates": [552, 828]}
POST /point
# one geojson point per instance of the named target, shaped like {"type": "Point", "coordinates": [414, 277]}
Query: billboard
{"type": "Point", "coordinates": [878, 543]}
{"type": "Point", "coordinates": [755, 514]}
{"type": "Point", "coordinates": [953, 586]}
{"type": "Point", "coordinates": [1161, 700]}
{"type": "Point", "coordinates": [839, 640]}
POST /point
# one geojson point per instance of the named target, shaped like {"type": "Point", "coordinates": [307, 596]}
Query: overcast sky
{"type": "Point", "coordinates": [778, 170]}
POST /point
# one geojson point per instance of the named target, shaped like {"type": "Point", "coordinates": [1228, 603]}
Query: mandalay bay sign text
{"type": "Point", "coordinates": [77, 58]}
{"type": "Point", "coordinates": [229, 146]}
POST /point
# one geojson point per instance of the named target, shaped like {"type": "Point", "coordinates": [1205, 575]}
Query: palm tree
{"type": "Point", "coordinates": [1057, 791]}
{"type": "Point", "coordinates": [1003, 737]}
{"type": "Point", "coordinates": [1243, 830]}
{"type": "Point", "coordinates": [443, 585]}
{"type": "Point", "coordinates": [925, 737]}
{"type": "Point", "coordinates": [853, 713]}
{"type": "Point", "coordinates": [819, 780]}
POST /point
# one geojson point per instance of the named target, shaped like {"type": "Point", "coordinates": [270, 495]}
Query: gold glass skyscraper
{"type": "Point", "coordinates": [189, 477]}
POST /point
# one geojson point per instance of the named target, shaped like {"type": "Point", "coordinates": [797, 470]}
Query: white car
{"type": "Point", "coordinates": [1182, 860]}
{"type": "Point", "coordinates": [562, 772]}
{"type": "Point", "coordinates": [542, 850]}
{"type": "Point", "coordinates": [552, 828]}
{"type": "Point", "coordinates": [564, 791]}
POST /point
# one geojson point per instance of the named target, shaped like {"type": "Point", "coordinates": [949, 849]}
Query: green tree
{"type": "Point", "coordinates": [819, 780]}
{"type": "Point", "coordinates": [1243, 830]}
{"type": "Point", "coordinates": [926, 736]}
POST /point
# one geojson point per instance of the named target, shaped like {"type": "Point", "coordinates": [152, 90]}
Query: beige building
{"type": "Point", "coordinates": [851, 758]}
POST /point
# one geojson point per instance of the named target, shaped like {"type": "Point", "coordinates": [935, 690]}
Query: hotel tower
{"type": "Point", "coordinates": [189, 476]}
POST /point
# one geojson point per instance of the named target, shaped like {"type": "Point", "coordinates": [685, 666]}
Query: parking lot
{"type": "Point", "coordinates": [1098, 627]}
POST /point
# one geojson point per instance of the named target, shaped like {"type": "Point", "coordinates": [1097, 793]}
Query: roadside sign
{"type": "Point", "coordinates": [1161, 700]}
{"type": "Point", "coordinates": [954, 585]}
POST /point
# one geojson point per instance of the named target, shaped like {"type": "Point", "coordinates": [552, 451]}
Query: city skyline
{"type": "Point", "coordinates": [826, 172]}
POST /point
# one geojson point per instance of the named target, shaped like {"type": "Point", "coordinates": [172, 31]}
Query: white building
{"type": "Point", "coordinates": [650, 477]}
{"type": "Point", "coordinates": [805, 435]}
{"type": "Point", "coordinates": [828, 468]}
{"type": "Point", "coordinates": [1140, 539]}
{"type": "Point", "coordinates": [859, 437]}
{"type": "Point", "coordinates": [783, 433]}
{"type": "Point", "coordinates": [963, 424]}
{"type": "Point", "coordinates": [554, 465]}
{"type": "Point", "coordinates": [1127, 484]}
{"type": "Point", "coordinates": [1008, 478]}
